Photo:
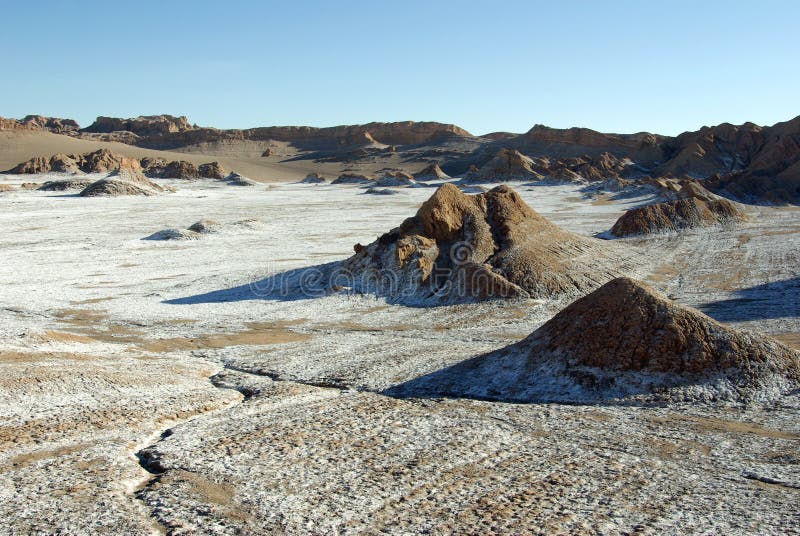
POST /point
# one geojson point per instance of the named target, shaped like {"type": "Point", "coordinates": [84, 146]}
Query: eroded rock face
{"type": "Point", "coordinates": [461, 248]}
{"type": "Point", "coordinates": [148, 125]}
{"type": "Point", "coordinates": [696, 209]}
{"type": "Point", "coordinates": [63, 185]}
{"type": "Point", "coordinates": [125, 181]}
{"type": "Point", "coordinates": [431, 173]}
{"type": "Point", "coordinates": [40, 122]}
{"type": "Point", "coordinates": [395, 179]}
{"type": "Point", "coordinates": [100, 161]}
{"type": "Point", "coordinates": [351, 178]}
{"type": "Point", "coordinates": [212, 170]}
{"type": "Point", "coordinates": [507, 165]}
{"type": "Point", "coordinates": [626, 340]}
{"type": "Point", "coordinates": [313, 178]}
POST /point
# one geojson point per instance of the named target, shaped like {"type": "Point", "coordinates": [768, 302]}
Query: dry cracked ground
{"type": "Point", "coordinates": [149, 387]}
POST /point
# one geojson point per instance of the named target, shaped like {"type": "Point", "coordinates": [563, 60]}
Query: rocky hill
{"type": "Point", "coordinates": [748, 162]}
{"type": "Point", "coordinates": [691, 206]}
{"type": "Point", "coordinates": [39, 122]}
{"type": "Point", "coordinates": [624, 341]}
{"type": "Point", "coordinates": [461, 248]}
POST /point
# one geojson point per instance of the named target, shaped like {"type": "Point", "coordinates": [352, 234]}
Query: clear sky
{"type": "Point", "coordinates": [621, 66]}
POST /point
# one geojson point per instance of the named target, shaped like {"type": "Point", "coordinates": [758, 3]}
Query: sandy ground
{"type": "Point", "coordinates": [242, 157]}
{"type": "Point", "coordinates": [258, 413]}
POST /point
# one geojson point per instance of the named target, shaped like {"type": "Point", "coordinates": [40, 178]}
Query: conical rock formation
{"type": "Point", "coordinates": [625, 341]}
{"type": "Point", "coordinates": [431, 173]}
{"type": "Point", "coordinates": [693, 206]}
{"type": "Point", "coordinates": [461, 248]}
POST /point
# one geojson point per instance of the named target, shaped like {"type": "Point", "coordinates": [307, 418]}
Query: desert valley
{"type": "Point", "coordinates": [398, 328]}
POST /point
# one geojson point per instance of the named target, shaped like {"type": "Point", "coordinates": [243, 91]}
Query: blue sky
{"type": "Point", "coordinates": [620, 66]}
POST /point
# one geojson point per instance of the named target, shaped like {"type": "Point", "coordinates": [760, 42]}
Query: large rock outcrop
{"type": "Point", "coordinates": [167, 132]}
{"type": "Point", "coordinates": [126, 180]}
{"type": "Point", "coordinates": [40, 122]}
{"type": "Point", "coordinates": [100, 161]}
{"type": "Point", "coordinates": [143, 126]}
{"type": "Point", "coordinates": [461, 248]}
{"type": "Point", "coordinates": [431, 172]}
{"type": "Point", "coordinates": [693, 206]}
{"type": "Point", "coordinates": [624, 341]}
{"type": "Point", "coordinates": [507, 165]}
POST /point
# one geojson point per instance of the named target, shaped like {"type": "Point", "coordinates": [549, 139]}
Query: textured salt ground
{"type": "Point", "coordinates": [65, 254]}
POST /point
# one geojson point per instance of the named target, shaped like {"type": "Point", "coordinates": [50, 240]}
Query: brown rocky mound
{"type": "Point", "coordinates": [39, 122]}
{"type": "Point", "coordinates": [627, 340]}
{"type": "Point", "coordinates": [313, 178]}
{"type": "Point", "coordinates": [462, 247]}
{"type": "Point", "coordinates": [125, 181]}
{"type": "Point", "coordinates": [431, 173]}
{"type": "Point", "coordinates": [67, 184]}
{"type": "Point", "coordinates": [507, 165]}
{"type": "Point", "coordinates": [212, 170]}
{"type": "Point", "coordinates": [696, 209]}
{"type": "Point", "coordinates": [180, 169]}
{"type": "Point", "coordinates": [100, 161]}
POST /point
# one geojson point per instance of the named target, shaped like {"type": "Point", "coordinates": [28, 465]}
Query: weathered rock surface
{"type": "Point", "coordinates": [431, 173]}
{"type": "Point", "coordinates": [462, 248]}
{"type": "Point", "coordinates": [352, 178]}
{"type": "Point", "coordinates": [212, 170]}
{"type": "Point", "coordinates": [234, 179]}
{"type": "Point", "coordinates": [507, 165]}
{"type": "Point", "coordinates": [67, 184]}
{"type": "Point", "coordinates": [624, 340]}
{"type": "Point", "coordinates": [694, 207]}
{"type": "Point", "coordinates": [313, 178]}
{"type": "Point", "coordinates": [100, 161]}
{"type": "Point", "coordinates": [165, 132]}
{"type": "Point", "coordinates": [394, 179]}
{"type": "Point", "coordinates": [39, 122]}
{"type": "Point", "coordinates": [125, 181]}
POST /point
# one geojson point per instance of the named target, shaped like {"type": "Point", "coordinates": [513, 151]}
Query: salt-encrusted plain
{"type": "Point", "coordinates": [266, 414]}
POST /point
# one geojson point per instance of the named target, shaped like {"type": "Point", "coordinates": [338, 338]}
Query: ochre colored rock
{"type": "Point", "coordinates": [462, 247]}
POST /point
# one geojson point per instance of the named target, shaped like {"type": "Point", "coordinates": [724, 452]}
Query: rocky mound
{"type": "Point", "coordinates": [461, 248]}
{"type": "Point", "coordinates": [40, 122]}
{"type": "Point", "coordinates": [697, 208]}
{"type": "Point", "coordinates": [125, 181]}
{"type": "Point", "coordinates": [352, 178]}
{"type": "Point", "coordinates": [203, 227]}
{"type": "Point", "coordinates": [431, 173]}
{"type": "Point", "coordinates": [100, 161]}
{"type": "Point", "coordinates": [67, 184]}
{"type": "Point", "coordinates": [782, 189]}
{"type": "Point", "coordinates": [234, 179]}
{"type": "Point", "coordinates": [395, 179]}
{"type": "Point", "coordinates": [507, 165]}
{"type": "Point", "coordinates": [625, 341]}
{"type": "Point", "coordinates": [313, 178]}
{"type": "Point", "coordinates": [212, 170]}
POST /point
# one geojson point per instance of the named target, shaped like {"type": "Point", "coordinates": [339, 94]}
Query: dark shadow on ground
{"type": "Point", "coordinates": [300, 284]}
{"type": "Point", "coordinates": [778, 299]}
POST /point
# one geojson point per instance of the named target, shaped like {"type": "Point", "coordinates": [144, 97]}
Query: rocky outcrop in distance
{"type": "Point", "coordinates": [104, 161]}
{"type": "Point", "coordinates": [40, 122]}
{"type": "Point", "coordinates": [691, 206]}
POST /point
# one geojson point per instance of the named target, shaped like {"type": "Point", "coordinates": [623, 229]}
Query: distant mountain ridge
{"type": "Point", "coordinates": [734, 157]}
